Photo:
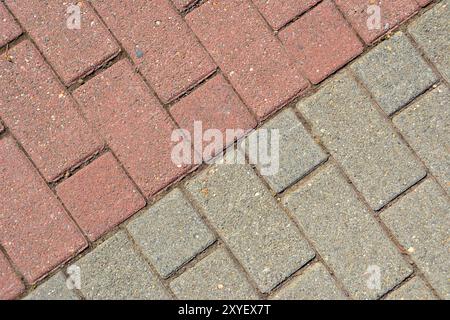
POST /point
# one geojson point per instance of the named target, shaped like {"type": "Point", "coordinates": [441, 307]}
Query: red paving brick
{"type": "Point", "coordinates": [100, 196]}
{"type": "Point", "coordinates": [182, 4]}
{"type": "Point", "coordinates": [242, 45]}
{"type": "Point", "coordinates": [10, 284]}
{"type": "Point", "coordinates": [39, 113]}
{"type": "Point", "coordinates": [72, 53]}
{"type": "Point", "coordinates": [217, 106]}
{"type": "Point", "coordinates": [9, 28]}
{"type": "Point", "coordinates": [321, 41]}
{"type": "Point", "coordinates": [159, 42]}
{"type": "Point", "coordinates": [280, 12]}
{"type": "Point", "coordinates": [393, 12]}
{"type": "Point", "coordinates": [35, 230]}
{"type": "Point", "coordinates": [134, 124]}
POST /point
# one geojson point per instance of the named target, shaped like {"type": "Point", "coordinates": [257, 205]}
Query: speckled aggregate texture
{"type": "Point", "coordinates": [425, 125]}
{"type": "Point", "coordinates": [54, 288]}
{"type": "Point", "coordinates": [431, 33]}
{"type": "Point", "coordinates": [346, 235]}
{"type": "Point", "coordinates": [414, 289]}
{"type": "Point", "coordinates": [395, 73]}
{"type": "Point", "coordinates": [72, 52]}
{"type": "Point", "coordinates": [378, 162]}
{"type": "Point", "coordinates": [214, 278]}
{"type": "Point", "coordinates": [256, 230]}
{"type": "Point", "coordinates": [420, 223]}
{"type": "Point", "coordinates": [171, 233]}
{"type": "Point", "coordinates": [351, 202]}
{"type": "Point", "coordinates": [115, 271]}
{"type": "Point", "coordinates": [314, 284]}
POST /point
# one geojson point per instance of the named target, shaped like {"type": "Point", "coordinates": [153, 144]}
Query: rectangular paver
{"type": "Point", "coordinates": [54, 288]}
{"type": "Point", "coordinates": [217, 106]}
{"type": "Point", "coordinates": [41, 115]}
{"type": "Point", "coordinates": [170, 233]}
{"type": "Point", "coordinates": [159, 42]}
{"type": "Point", "coordinates": [248, 53]}
{"type": "Point", "coordinates": [315, 283]}
{"type": "Point", "coordinates": [10, 284]}
{"type": "Point", "coordinates": [132, 121]}
{"type": "Point", "coordinates": [280, 12]}
{"type": "Point", "coordinates": [426, 127]}
{"type": "Point", "coordinates": [256, 230]}
{"type": "Point", "coordinates": [297, 154]}
{"type": "Point", "coordinates": [420, 222]}
{"type": "Point", "coordinates": [362, 14]}
{"type": "Point", "coordinates": [414, 289]}
{"type": "Point", "coordinates": [321, 41]}
{"type": "Point", "coordinates": [10, 30]}
{"type": "Point", "coordinates": [71, 52]}
{"type": "Point", "coordinates": [394, 72]}
{"type": "Point", "coordinates": [114, 271]}
{"type": "Point", "coordinates": [431, 32]}
{"type": "Point", "coordinates": [100, 196]}
{"type": "Point", "coordinates": [355, 133]}
{"type": "Point", "coordinates": [216, 277]}
{"type": "Point", "coordinates": [346, 235]}
{"type": "Point", "coordinates": [35, 230]}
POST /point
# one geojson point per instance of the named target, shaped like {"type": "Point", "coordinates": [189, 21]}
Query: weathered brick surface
{"type": "Point", "coordinates": [35, 230]}
{"type": "Point", "coordinates": [217, 106]}
{"type": "Point", "coordinates": [345, 119]}
{"type": "Point", "coordinates": [182, 4]}
{"type": "Point", "coordinates": [159, 42]}
{"type": "Point", "coordinates": [423, 3]}
{"type": "Point", "coordinates": [346, 235]}
{"type": "Point", "coordinates": [10, 284]}
{"type": "Point", "coordinates": [414, 289]}
{"type": "Point", "coordinates": [425, 125]}
{"type": "Point", "coordinates": [41, 115]}
{"type": "Point", "coordinates": [170, 233]}
{"type": "Point", "coordinates": [72, 52]}
{"type": "Point", "coordinates": [132, 121]}
{"type": "Point", "coordinates": [431, 32]}
{"type": "Point", "coordinates": [256, 230]}
{"type": "Point", "coordinates": [393, 12]}
{"type": "Point", "coordinates": [100, 196]}
{"type": "Point", "coordinates": [216, 277]}
{"type": "Point", "coordinates": [298, 153]}
{"type": "Point", "coordinates": [115, 271]}
{"type": "Point", "coordinates": [54, 288]}
{"type": "Point", "coordinates": [315, 283]}
{"type": "Point", "coordinates": [321, 41]}
{"type": "Point", "coordinates": [394, 72]}
{"type": "Point", "coordinates": [280, 12]}
{"type": "Point", "coordinates": [419, 221]}
{"type": "Point", "coordinates": [10, 30]}
{"type": "Point", "coordinates": [254, 61]}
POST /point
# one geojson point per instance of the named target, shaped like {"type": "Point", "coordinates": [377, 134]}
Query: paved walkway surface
{"type": "Point", "coordinates": [92, 207]}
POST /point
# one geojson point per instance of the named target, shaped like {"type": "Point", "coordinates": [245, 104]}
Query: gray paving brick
{"type": "Point", "coordinates": [431, 32]}
{"type": "Point", "coordinates": [54, 288]}
{"type": "Point", "coordinates": [214, 277]}
{"type": "Point", "coordinates": [114, 271]}
{"type": "Point", "coordinates": [414, 289]}
{"type": "Point", "coordinates": [426, 127]}
{"type": "Point", "coordinates": [394, 72]}
{"type": "Point", "coordinates": [254, 227]}
{"type": "Point", "coordinates": [420, 221]}
{"type": "Point", "coordinates": [380, 165]}
{"type": "Point", "coordinates": [298, 152]}
{"type": "Point", "coordinates": [315, 283]}
{"type": "Point", "coordinates": [171, 233]}
{"type": "Point", "coordinates": [346, 235]}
